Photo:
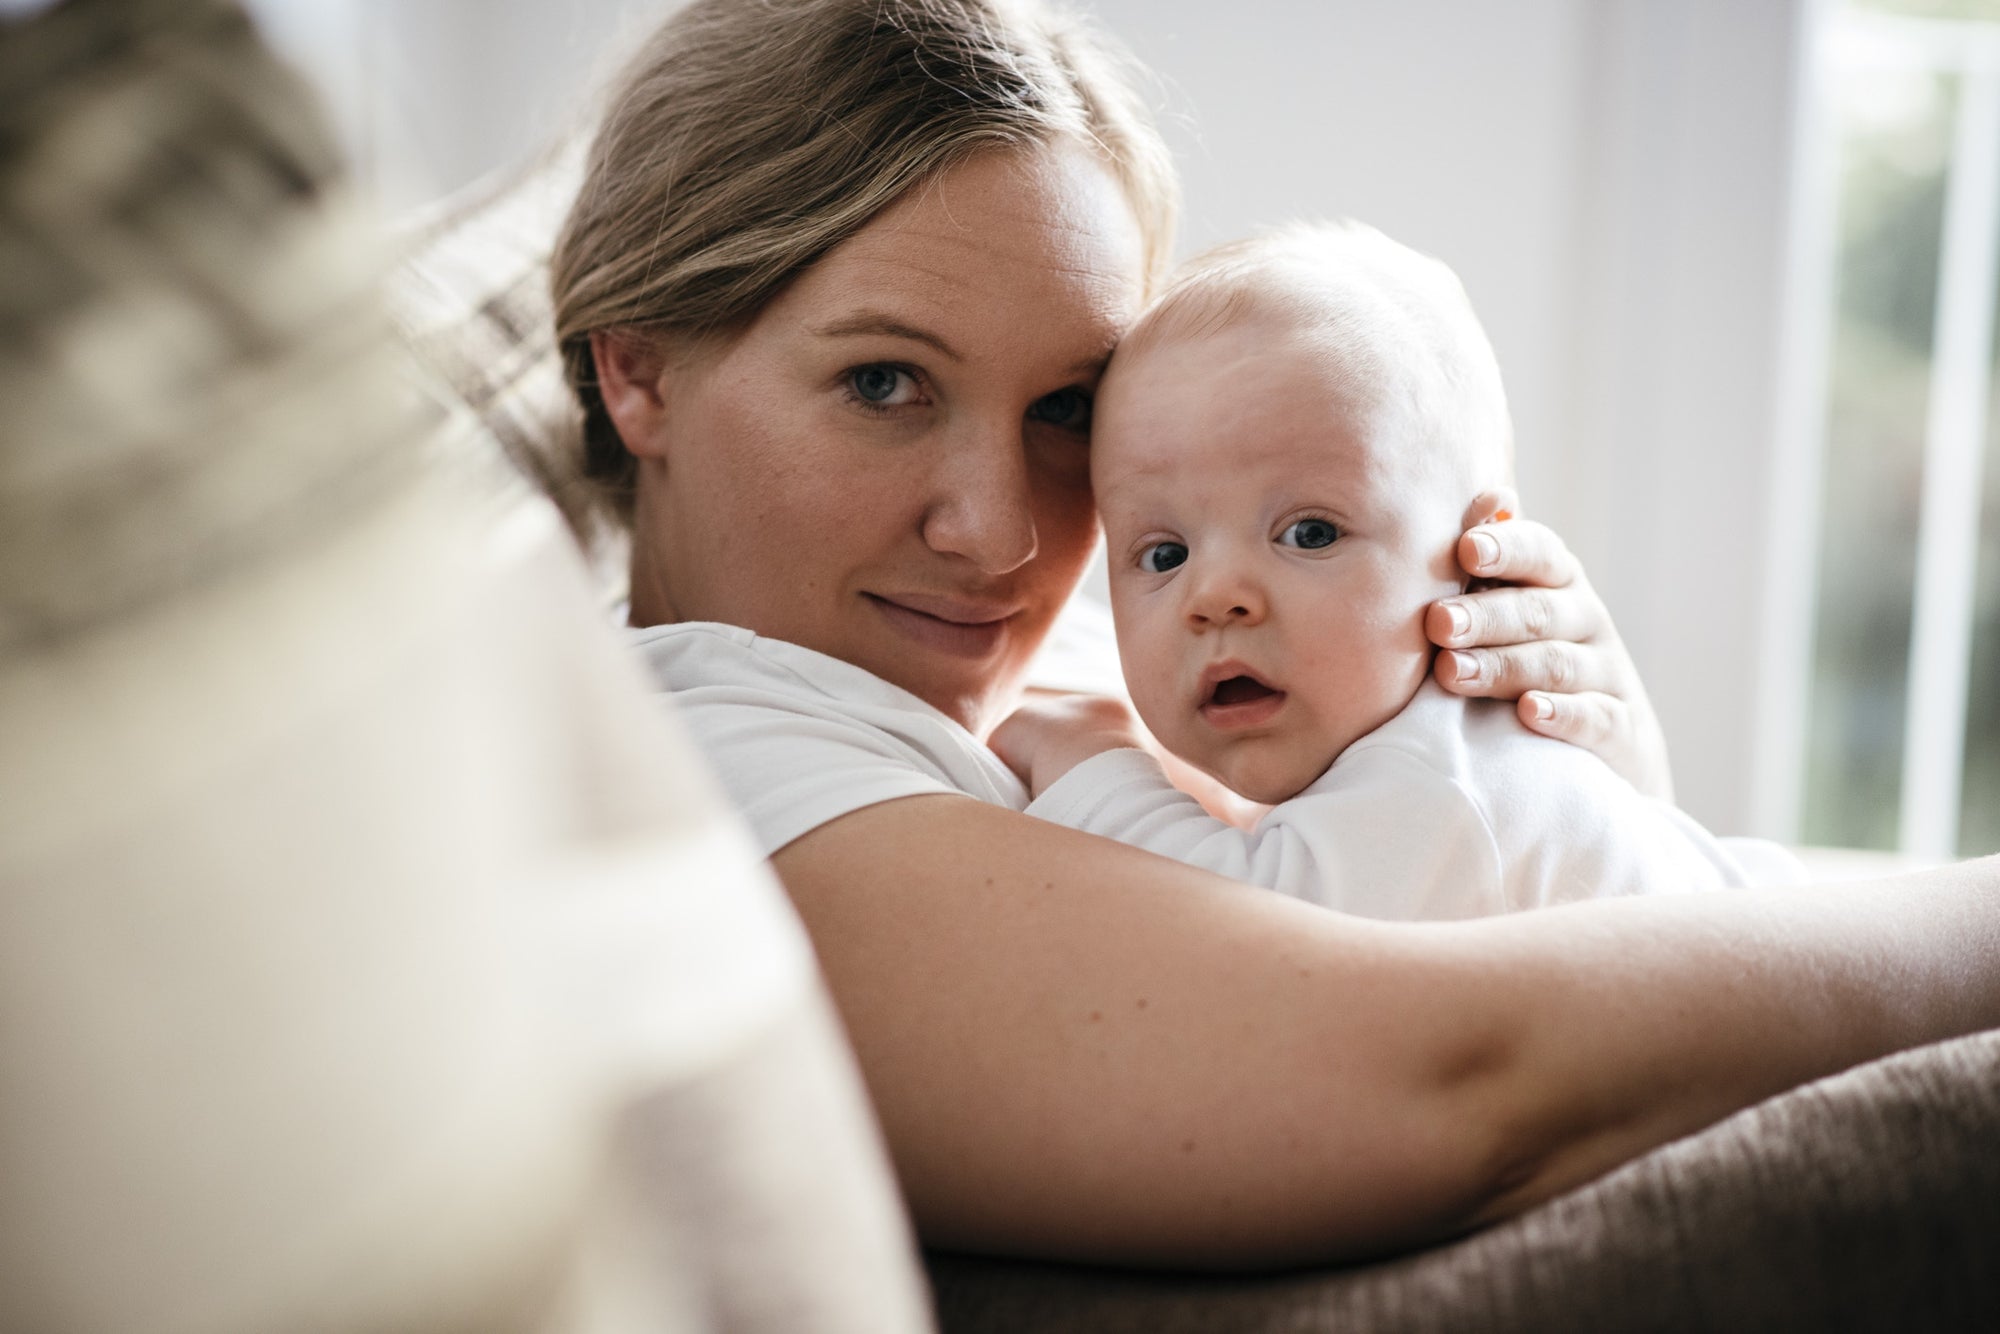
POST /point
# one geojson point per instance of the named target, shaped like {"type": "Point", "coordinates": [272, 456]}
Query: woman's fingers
{"type": "Point", "coordinates": [1591, 719]}
{"type": "Point", "coordinates": [1546, 638]}
{"type": "Point", "coordinates": [1585, 693]}
{"type": "Point", "coordinates": [1519, 551]}
{"type": "Point", "coordinates": [1500, 616]}
{"type": "Point", "coordinates": [1610, 727]}
{"type": "Point", "coordinates": [1553, 666]}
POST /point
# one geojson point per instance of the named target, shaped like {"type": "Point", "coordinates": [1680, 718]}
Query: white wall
{"type": "Point", "coordinates": [432, 94]}
{"type": "Point", "coordinates": [1450, 124]}
{"type": "Point", "coordinates": [1609, 177]}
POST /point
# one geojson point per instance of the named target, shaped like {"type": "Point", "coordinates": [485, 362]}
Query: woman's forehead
{"type": "Point", "coordinates": [1038, 245]}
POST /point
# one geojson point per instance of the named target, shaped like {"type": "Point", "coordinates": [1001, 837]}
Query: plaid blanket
{"type": "Point", "coordinates": [194, 367]}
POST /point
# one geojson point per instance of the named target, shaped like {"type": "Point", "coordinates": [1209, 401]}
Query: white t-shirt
{"type": "Point", "coordinates": [1450, 810]}
{"type": "Point", "coordinates": [799, 738]}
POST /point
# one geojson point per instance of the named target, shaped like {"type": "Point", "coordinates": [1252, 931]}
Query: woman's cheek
{"type": "Point", "coordinates": [1066, 529]}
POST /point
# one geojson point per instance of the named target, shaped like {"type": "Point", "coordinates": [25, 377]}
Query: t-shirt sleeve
{"type": "Point", "coordinates": [798, 738]}
{"type": "Point", "coordinates": [1383, 836]}
{"type": "Point", "coordinates": [790, 767]}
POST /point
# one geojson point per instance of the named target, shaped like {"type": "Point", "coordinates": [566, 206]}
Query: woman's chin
{"type": "Point", "coordinates": [976, 700]}
{"type": "Point", "coordinates": [970, 673]}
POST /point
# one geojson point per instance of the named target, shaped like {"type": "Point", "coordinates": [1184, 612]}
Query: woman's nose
{"type": "Point", "coordinates": [982, 503]}
{"type": "Point", "coordinates": [1222, 592]}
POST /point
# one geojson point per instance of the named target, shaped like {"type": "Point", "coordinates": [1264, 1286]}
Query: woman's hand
{"type": "Point", "coordinates": [1546, 638]}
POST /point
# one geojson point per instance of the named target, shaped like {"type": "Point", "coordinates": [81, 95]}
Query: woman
{"type": "Point", "coordinates": [834, 297]}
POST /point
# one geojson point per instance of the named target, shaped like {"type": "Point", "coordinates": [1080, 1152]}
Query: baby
{"type": "Point", "coordinates": [1286, 449]}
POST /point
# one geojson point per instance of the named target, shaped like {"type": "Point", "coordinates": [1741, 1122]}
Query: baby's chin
{"type": "Point", "coordinates": [1265, 778]}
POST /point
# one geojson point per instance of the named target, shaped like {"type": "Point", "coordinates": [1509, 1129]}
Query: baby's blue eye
{"type": "Point", "coordinates": [1309, 534]}
{"type": "Point", "coordinates": [882, 386]}
{"type": "Point", "coordinates": [1162, 556]}
{"type": "Point", "coordinates": [1067, 408]}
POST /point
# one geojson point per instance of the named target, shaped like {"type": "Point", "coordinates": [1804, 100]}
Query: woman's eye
{"type": "Point", "coordinates": [1309, 534]}
{"type": "Point", "coordinates": [882, 386]}
{"type": "Point", "coordinates": [1162, 556]}
{"type": "Point", "coordinates": [1067, 408]}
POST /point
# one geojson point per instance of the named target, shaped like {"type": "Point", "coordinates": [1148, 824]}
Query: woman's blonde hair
{"type": "Point", "coordinates": [750, 137]}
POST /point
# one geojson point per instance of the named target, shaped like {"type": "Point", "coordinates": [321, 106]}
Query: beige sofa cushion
{"type": "Point", "coordinates": [375, 954]}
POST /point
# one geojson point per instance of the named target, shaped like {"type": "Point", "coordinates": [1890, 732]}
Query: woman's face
{"type": "Point", "coordinates": [891, 464]}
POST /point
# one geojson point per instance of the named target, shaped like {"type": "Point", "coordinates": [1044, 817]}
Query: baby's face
{"type": "Point", "coordinates": [1273, 541]}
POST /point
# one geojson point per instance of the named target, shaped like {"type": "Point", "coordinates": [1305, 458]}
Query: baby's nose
{"type": "Point", "coordinates": [1224, 597]}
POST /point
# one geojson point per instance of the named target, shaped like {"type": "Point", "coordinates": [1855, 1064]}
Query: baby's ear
{"type": "Point", "coordinates": [1491, 507]}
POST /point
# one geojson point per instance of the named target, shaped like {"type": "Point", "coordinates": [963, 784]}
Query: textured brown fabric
{"type": "Point", "coordinates": [1868, 1201]}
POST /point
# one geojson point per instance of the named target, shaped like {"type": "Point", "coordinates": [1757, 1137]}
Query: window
{"type": "Point", "coordinates": [1903, 714]}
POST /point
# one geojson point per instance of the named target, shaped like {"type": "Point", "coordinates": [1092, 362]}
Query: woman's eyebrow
{"type": "Point", "coordinates": [872, 323]}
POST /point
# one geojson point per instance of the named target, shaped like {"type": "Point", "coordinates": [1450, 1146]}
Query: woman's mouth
{"type": "Point", "coordinates": [960, 628]}
{"type": "Point", "coordinates": [1240, 700]}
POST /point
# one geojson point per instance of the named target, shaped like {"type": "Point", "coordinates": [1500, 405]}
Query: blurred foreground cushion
{"type": "Point", "coordinates": [375, 953]}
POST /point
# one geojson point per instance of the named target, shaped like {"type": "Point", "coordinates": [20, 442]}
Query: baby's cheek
{"type": "Point", "coordinates": [1383, 686]}
{"type": "Point", "coordinates": [1156, 706]}
{"type": "Point", "coordinates": [1159, 701]}
{"type": "Point", "coordinates": [1354, 683]}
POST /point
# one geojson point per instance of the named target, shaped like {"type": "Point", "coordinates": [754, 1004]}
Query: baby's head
{"type": "Point", "coordinates": [1286, 449]}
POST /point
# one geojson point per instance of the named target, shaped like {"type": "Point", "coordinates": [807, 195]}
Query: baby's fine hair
{"type": "Point", "coordinates": [1394, 324]}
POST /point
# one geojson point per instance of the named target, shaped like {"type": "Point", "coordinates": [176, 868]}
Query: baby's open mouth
{"type": "Point", "coordinates": [1239, 690]}
{"type": "Point", "coordinates": [1239, 701]}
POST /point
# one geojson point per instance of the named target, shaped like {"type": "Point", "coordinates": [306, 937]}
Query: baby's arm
{"type": "Point", "coordinates": [1051, 734]}
{"type": "Point", "coordinates": [1383, 837]}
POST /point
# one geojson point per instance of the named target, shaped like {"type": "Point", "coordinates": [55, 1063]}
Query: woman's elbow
{"type": "Point", "coordinates": [1482, 1137]}
{"type": "Point", "coordinates": [1424, 1139]}
{"type": "Point", "coordinates": [1524, 1135]}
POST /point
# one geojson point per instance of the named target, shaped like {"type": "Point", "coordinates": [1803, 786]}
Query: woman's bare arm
{"type": "Point", "coordinates": [1082, 1050]}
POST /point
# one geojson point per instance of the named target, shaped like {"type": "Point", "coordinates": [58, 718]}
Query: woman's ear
{"type": "Point", "coordinates": [631, 379]}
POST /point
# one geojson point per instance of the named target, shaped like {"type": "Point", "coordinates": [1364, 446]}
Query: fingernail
{"type": "Point", "coordinates": [1460, 619]}
{"type": "Point", "coordinates": [1465, 667]}
{"type": "Point", "coordinates": [1485, 550]}
{"type": "Point", "coordinates": [1542, 707]}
